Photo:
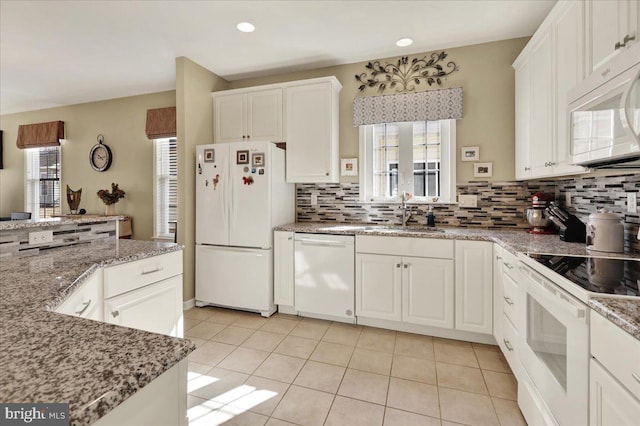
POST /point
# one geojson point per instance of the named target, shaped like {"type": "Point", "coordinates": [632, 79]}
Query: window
{"type": "Point", "coordinates": [415, 157]}
{"type": "Point", "coordinates": [165, 188]}
{"type": "Point", "coordinates": [42, 182]}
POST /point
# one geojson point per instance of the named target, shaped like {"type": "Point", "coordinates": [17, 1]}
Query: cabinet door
{"type": "Point", "coordinates": [283, 278]}
{"type": "Point", "coordinates": [264, 115]}
{"type": "Point", "coordinates": [608, 22]}
{"type": "Point", "coordinates": [609, 403]}
{"type": "Point", "coordinates": [378, 286]}
{"type": "Point", "coordinates": [541, 143]}
{"type": "Point", "coordinates": [312, 133]}
{"type": "Point", "coordinates": [474, 286]}
{"type": "Point", "coordinates": [523, 120]}
{"type": "Point", "coordinates": [156, 308]}
{"type": "Point", "coordinates": [427, 291]}
{"type": "Point", "coordinates": [229, 118]}
{"type": "Point", "coordinates": [497, 292]}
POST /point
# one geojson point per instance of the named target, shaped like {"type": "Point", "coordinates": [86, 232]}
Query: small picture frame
{"type": "Point", "coordinates": [483, 170]}
{"type": "Point", "coordinates": [242, 157]}
{"type": "Point", "coordinates": [257, 159]}
{"type": "Point", "coordinates": [470, 153]}
{"type": "Point", "coordinates": [349, 167]}
{"type": "Point", "coordinates": [209, 156]}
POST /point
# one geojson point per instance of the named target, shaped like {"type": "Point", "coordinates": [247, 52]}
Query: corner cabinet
{"type": "Point", "coordinates": [474, 286]}
{"type": "Point", "coordinates": [312, 130]}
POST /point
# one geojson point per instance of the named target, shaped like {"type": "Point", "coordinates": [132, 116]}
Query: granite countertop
{"type": "Point", "coordinates": [623, 312]}
{"type": "Point", "coordinates": [51, 357]}
{"type": "Point", "coordinates": [8, 225]}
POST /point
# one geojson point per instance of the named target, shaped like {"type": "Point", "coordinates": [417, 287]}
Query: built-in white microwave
{"type": "Point", "coordinates": [604, 113]}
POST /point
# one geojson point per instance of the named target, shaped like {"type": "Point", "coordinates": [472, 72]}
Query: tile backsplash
{"type": "Point", "coordinates": [500, 204]}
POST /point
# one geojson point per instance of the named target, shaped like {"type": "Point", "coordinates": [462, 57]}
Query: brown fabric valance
{"type": "Point", "coordinates": [40, 135]}
{"type": "Point", "coordinates": [161, 123]}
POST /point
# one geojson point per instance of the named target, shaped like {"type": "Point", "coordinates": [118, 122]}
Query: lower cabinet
{"type": "Point", "coordinates": [283, 274]}
{"type": "Point", "coordinates": [86, 300]}
{"type": "Point", "coordinates": [497, 292]}
{"type": "Point", "coordinates": [474, 286]}
{"type": "Point", "coordinates": [610, 404]}
{"type": "Point", "coordinates": [379, 286]}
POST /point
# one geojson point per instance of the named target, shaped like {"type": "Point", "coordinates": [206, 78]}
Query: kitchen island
{"type": "Point", "coordinates": [51, 357]}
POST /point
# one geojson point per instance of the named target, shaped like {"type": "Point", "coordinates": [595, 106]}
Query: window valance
{"type": "Point", "coordinates": [161, 123]}
{"type": "Point", "coordinates": [442, 104]}
{"type": "Point", "coordinates": [39, 135]}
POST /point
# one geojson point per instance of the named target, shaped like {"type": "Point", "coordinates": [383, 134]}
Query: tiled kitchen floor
{"type": "Point", "coordinates": [249, 370]}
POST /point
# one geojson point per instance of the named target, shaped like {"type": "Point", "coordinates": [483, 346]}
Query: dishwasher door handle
{"type": "Point", "coordinates": [325, 243]}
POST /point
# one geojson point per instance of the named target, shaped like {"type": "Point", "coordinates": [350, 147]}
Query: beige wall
{"type": "Point", "coordinates": [122, 122]}
{"type": "Point", "coordinates": [487, 80]}
{"type": "Point", "coordinates": [194, 107]}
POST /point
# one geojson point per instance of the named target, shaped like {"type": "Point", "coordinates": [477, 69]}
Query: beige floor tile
{"type": "Point", "coordinates": [279, 325]}
{"type": "Point", "coordinates": [460, 377]}
{"type": "Point", "coordinates": [224, 316]}
{"type": "Point", "coordinates": [233, 335]}
{"type": "Point", "coordinates": [196, 368]}
{"type": "Point", "coordinates": [253, 321]}
{"type": "Point", "coordinates": [508, 412]}
{"type": "Point", "coordinates": [347, 325]}
{"type": "Point", "coordinates": [452, 342]}
{"type": "Point", "coordinates": [297, 346]}
{"type": "Point", "coordinates": [332, 353]}
{"type": "Point", "coordinates": [414, 347]}
{"type": "Point", "coordinates": [243, 418]}
{"type": "Point", "coordinates": [393, 417]}
{"type": "Point", "coordinates": [280, 367]}
{"type": "Point", "coordinates": [263, 395]}
{"type": "Point", "coordinates": [467, 408]}
{"type": "Point", "coordinates": [310, 330]}
{"type": "Point", "coordinates": [278, 422]}
{"type": "Point", "coordinates": [492, 360]}
{"type": "Point", "coordinates": [245, 360]}
{"type": "Point", "coordinates": [455, 354]}
{"type": "Point", "coordinates": [290, 317]}
{"type": "Point", "coordinates": [197, 341]}
{"type": "Point", "coordinates": [371, 361]}
{"type": "Point", "coordinates": [383, 342]}
{"type": "Point", "coordinates": [364, 386]}
{"type": "Point", "coordinates": [220, 385]}
{"type": "Point", "coordinates": [501, 385]}
{"type": "Point", "coordinates": [448, 423]}
{"type": "Point", "coordinates": [197, 313]}
{"type": "Point", "coordinates": [211, 353]}
{"type": "Point", "coordinates": [347, 411]}
{"type": "Point", "coordinates": [304, 406]}
{"type": "Point", "coordinates": [412, 396]}
{"type": "Point", "coordinates": [201, 411]}
{"type": "Point", "coordinates": [189, 323]}
{"type": "Point", "coordinates": [485, 347]}
{"type": "Point", "coordinates": [263, 341]}
{"type": "Point", "coordinates": [417, 369]}
{"type": "Point", "coordinates": [205, 330]}
{"type": "Point", "coordinates": [342, 335]}
{"type": "Point", "coordinates": [320, 376]}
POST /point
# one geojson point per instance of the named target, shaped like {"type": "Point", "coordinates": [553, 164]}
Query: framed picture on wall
{"type": "Point", "coordinates": [470, 153]}
{"type": "Point", "coordinates": [349, 167]}
{"type": "Point", "coordinates": [483, 170]}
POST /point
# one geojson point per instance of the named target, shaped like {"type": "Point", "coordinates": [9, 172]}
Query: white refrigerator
{"type": "Point", "coordinates": [241, 194]}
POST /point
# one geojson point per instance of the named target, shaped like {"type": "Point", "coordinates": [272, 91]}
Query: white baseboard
{"type": "Point", "coordinates": [188, 304]}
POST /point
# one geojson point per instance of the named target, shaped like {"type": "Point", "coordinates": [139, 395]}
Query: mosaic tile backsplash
{"type": "Point", "coordinates": [500, 204]}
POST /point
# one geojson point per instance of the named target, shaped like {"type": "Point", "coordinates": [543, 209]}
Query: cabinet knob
{"type": "Point", "coordinates": [406, 265]}
{"type": "Point", "coordinates": [115, 314]}
{"type": "Point", "coordinates": [397, 265]}
{"type": "Point", "coordinates": [248, 136]}
{"type": "Point", "coordinates": [326, 174]}
{"type": "Point", "coordinates": [498, 257]}
{"type": "Point", "coordinates": [619, 45]}
{"type": "Point", "coordinates": [628, 38]}
{"type": "Point", "coordinates": [508, 300]}
{"type": "Point", "coordinates": [526, 169]}
{"type": "Point", "coordinates": [244, 137]}
{"type": "Point", "coordinates": [290, 238]}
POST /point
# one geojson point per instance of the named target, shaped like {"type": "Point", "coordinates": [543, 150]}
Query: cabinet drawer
{"type": "Point", "coordinates": [617, 351]}
{"type": "Point", "coordinates": [129, 276]}
{"type": "Point", "coordinates": [510, 298]}
{"type": "Point", "coordinates": [510, 264]}
{"type": "Point", "coordinates": [405, 246]}
{"type": "Point", "coordinates": [86, 300]}
{"type": "Point", "coordinates": [509, 345]}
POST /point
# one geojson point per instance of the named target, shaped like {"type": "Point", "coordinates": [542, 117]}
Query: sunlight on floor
{"type": "Point", "coordinates": [197, 381]}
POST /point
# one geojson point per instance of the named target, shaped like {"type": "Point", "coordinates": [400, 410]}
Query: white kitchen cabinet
{"type": "Point", "coordinates": [610, 404]}
{"type": "Point", "coordinates": [612, 25]}
{"type": "Point", "coordinates": [283, 270]}
{"type": "Point", "coordinates": [312, 130]}
{"type": "Point", "coordinates": [497, 292]}
{"type": "Point", "coordinates": [427, 291]}
{"type": "Point", "coordinates": [523, 118]}
{"type": "Point", "coordinates": [248, 115]}
{"type": "Point", "coordinates": [86, 300]}
{"type": "Point", "coordinates": [379, 286]}
{"type": "Point", "coordinates": [541, 146]}
{"type": "Point", "coordinates": [474, 286]}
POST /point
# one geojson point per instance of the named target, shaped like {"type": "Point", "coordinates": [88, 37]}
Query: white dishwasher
{"type": "Point", "coordinates": [325, 276]}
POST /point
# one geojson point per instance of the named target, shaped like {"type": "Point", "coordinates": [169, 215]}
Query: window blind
{"type": "Point", "coordinates": [42, 194]}
{"type": "Point", "coordinates": [165, 187]}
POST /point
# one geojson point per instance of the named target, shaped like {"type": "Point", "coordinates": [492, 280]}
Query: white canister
{"type": "Point", "coordinates": [605, 232]}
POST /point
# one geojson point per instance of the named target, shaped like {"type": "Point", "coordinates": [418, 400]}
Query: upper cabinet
{"type": "Point", "coordinates": [312, 130]}
{"type": "Point", "coordinates": [612, 25]}
{"type": "Point", "coordinates": [254, 115]}
{"type": "Point", "coordinates": [550, 65]}
{"type": "Point", "coordinates": [303, 113]}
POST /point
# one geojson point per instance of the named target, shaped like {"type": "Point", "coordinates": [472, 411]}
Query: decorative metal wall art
{"type": "Point", "coordinates": [405, 75]}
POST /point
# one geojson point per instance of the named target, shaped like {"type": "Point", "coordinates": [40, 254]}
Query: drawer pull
{"type": "Point", "coordinates": [406, 265]}
{"type": "Point", "coordinates": [508, 300]}
{"type": "Point", "coordinates": [498, 257]}
{"type": "Point", "coordinates": [152, 271]}
{"type": "Point", "coordinates": [398, 265]}
{"type": "Point", "coordinates": [508, 345]}
{"type": "Point", "coordinates": [508, 265]}
{"type": "Point", "coordinates": [85, 305]}
{"type": "Point", "coordinates": [636, 376]}
{"type": "Point", "coordinates": [115, 314]}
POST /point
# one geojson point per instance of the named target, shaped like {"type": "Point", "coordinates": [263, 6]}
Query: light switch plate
{"type": "Point", "coordinates": [632, 202]}
{"type": "Point", "coordinates": [567, 199]}
{"type": "Point", "coordinates": [40, 237]}
{"type": "Point", "coordinates": [467, 201]}
{"type": "Point", "coordinates": [314, 199]}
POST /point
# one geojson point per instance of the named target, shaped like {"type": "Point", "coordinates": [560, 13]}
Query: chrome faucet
{"type": "Point", "coordinates": [406, 209]}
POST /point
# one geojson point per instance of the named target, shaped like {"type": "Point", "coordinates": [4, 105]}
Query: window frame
{"type": "Point", "coordinates": [162, 233]}
{"type": "Point", "coordinates": [32, 186]}
{"type": "Point", "coordinates": [447, 167]}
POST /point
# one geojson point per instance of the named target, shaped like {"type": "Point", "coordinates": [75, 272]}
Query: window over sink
{"type": "Point", "coordinates": [416, 157]}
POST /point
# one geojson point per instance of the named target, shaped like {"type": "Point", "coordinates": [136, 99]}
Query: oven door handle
{"type": "Point", "coordinates": [555, 295]}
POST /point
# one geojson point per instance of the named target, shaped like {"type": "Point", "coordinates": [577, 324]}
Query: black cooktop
{"type": "Point", "coordinates": [596, 274]}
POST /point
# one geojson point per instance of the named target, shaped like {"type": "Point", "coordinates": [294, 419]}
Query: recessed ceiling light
{"type": "Point", "coordinates": [404, 42]}
{"type": "Point", "coordinates": [246, 27]}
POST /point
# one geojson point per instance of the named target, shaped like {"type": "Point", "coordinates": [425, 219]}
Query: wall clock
{"type": "Point", "coordinates": [100, 156]}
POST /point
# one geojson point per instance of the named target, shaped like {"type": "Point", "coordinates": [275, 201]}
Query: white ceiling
{"type": "Point", "coordinates": [55, 53]}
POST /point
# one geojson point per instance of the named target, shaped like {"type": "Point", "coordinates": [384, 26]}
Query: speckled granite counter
{"type": "Point", "coordinates": [623, 312]}
{"type": "Point", "coordinates": [50, 357]}
{"type": "Point", "coordinates": [57, 221]}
